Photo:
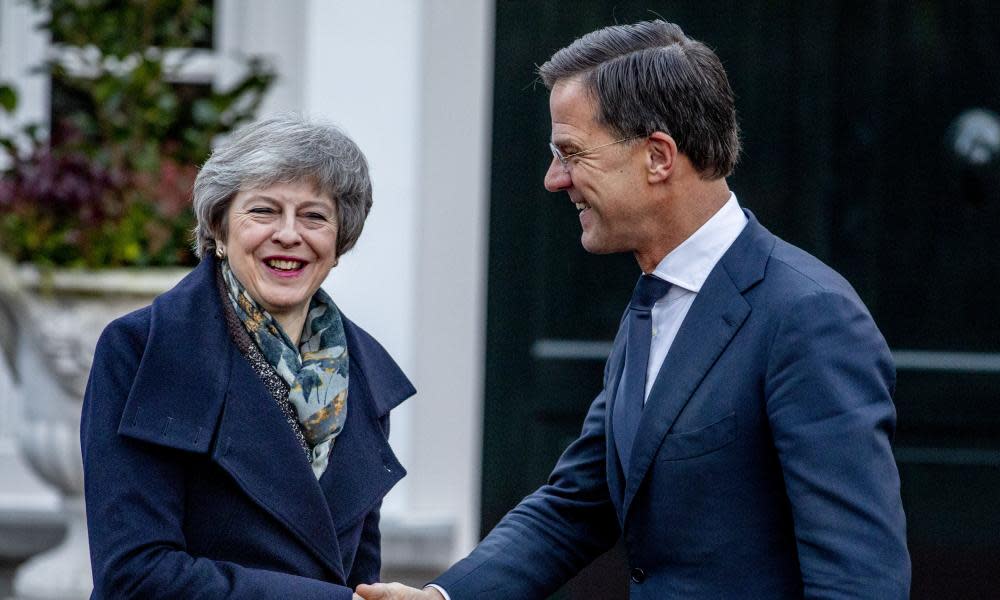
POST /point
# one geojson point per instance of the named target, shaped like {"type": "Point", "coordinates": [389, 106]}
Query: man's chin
{"type": "Point", "coordinates": [594, 246]}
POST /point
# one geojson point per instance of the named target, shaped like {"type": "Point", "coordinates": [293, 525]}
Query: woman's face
{"type": "Point", "coordinates": [281, 244]}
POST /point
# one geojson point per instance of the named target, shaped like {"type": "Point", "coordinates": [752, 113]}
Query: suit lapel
{"type": "Point", "coordinates": [714, 318]}
{"type": "Point", "coordinates": [711, 323]}
{"type": "Point", "coordinates": [616, 365]}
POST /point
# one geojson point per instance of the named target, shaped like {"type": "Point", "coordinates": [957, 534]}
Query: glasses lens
{"type": "Point", "coordinates": [559, 156]}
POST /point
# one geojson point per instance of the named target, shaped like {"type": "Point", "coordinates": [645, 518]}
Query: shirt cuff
{"type": "Point", "coordinates": [440, 589]}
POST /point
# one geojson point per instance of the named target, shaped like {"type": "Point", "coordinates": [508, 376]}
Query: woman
{"type": "Point", "coordinates": [234, 432]}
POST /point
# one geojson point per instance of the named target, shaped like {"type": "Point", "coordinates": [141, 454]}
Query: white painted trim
{"type": "Point", "coordinates": [181, 65]}
{"type": "Point", "coordinates": [22, 48]}
{"type": "Point", "coordinates": [134, 281]}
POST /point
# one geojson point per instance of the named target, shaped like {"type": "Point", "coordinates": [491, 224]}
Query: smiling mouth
{"type": "Point", "coordinates": [284, 264]}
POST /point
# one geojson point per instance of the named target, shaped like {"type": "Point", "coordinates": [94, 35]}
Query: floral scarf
{"type": "Point", "coordinates": [316, 372]}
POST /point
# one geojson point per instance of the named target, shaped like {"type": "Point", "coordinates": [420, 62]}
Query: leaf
{"type": "Point", "coordinates": [8, 98]}
{"type": "Point", "coordinates": [204, 112]}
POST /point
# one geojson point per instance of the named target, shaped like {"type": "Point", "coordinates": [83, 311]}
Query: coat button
{"type": "Point", "coordinates": [638, 575]}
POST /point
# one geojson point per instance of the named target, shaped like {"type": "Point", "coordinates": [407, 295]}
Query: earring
{"type": "Point", "coordinates": [220, 252]}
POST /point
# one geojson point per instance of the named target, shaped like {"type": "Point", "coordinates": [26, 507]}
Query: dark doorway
{"type": "Point", "coordinates": [869, 141]}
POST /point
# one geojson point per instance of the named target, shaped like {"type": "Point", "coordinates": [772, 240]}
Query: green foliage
{"type": "Point", "coordinates": [111, 184]}
{"type": "Point", "coordinates": [8, 98]}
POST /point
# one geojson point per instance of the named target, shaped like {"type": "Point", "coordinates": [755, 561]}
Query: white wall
{"type": "Point", "coordinates": [454, 157]}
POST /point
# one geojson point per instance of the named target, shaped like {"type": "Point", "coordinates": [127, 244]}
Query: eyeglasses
{"type": "Point", "coordinates": [564, 158]}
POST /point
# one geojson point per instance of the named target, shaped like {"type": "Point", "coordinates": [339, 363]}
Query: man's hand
{"type": "Point", "coordinates": [396, 591]}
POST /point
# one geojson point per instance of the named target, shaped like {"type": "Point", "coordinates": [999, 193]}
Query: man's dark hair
{"type": "Point", "coordinates": [651, 77]}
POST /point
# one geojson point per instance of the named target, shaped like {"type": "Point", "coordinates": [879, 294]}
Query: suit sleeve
{"type": "Point", "coordinates": [551, 534]}
{"type": "Point", "coordinates": [135, 504]}
{"type": "Point", "coordinates": [829, 386]}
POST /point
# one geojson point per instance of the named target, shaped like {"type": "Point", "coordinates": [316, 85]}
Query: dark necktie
{"type": "Point", "coordinates": [632, 388]}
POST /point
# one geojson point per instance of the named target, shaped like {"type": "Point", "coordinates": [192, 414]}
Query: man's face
{"type": "Point", "coordinates": [606, 185]}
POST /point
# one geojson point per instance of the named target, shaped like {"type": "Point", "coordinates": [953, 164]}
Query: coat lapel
{"type": "Point", "coordinates": [714, 318]}
{"type": "Point", "coordinates": [362, 467]}
{"type": "Point", "coordinates": [186, 358]}
{"type": "Point", "coordinates": [258, 449]}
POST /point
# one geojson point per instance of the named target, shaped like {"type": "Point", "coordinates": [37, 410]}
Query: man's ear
{"type": "Point", "coordinates": [661, 156]}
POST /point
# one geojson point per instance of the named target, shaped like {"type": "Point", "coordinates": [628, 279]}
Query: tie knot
{"type": "Point", "coordinates": [648, 290]}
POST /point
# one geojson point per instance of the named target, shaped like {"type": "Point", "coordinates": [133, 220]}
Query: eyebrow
{"type": "Point", "coordinates": [304, 204]}
{"type": "Point", "coordinates": [564, 141]}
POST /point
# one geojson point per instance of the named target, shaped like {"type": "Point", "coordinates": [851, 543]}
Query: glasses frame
{"type": "Point", "coordinates": [564, 158]}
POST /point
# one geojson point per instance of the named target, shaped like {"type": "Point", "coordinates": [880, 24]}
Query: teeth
{"type": "Point", "coordinates": [285, 265]}
{"type": "Point", "coordinates": [580, 205]}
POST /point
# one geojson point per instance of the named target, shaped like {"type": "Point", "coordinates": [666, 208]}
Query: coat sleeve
{"type": "Point", "coordinates": [829, 386]}
{"type": "Point", "coordinates": [551, 534]}
{"type": "Point", "coordinates": [135, 502]}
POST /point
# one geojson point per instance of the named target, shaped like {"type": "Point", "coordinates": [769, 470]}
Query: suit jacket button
{"type": "Point", "coordinates": [638, 575]}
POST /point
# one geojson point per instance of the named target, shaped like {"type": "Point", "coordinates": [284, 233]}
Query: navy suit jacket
{"type": "Point", "coordinates": [195, 484]}
{"type": "Point", "coordinates": [762, 465]}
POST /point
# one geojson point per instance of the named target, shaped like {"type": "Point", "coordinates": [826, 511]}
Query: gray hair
{"type": "Point", "coordinates": [283, 149]}
{"type": "Point", "coordinates": [651, 77]}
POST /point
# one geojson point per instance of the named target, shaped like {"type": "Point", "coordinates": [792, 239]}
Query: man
{"type": "Point", "coordinates": [741, 443]}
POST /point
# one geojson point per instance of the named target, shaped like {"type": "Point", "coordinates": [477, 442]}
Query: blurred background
{"type": "Point", "coordinates": [871, 139]}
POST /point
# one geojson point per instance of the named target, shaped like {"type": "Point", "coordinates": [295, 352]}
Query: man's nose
{"type": "Point", "coordinates": [556, 178]}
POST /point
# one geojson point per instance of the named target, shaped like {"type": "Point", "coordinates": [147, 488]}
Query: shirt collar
{"type": "Point", "coordinates": [687, 266]}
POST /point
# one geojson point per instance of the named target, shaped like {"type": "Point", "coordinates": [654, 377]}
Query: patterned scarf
{"type": "Point", "coordinates": [316, 371]}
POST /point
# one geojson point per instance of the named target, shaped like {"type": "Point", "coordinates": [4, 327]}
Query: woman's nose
{"type": "Point", "coordinates": [286, 232]}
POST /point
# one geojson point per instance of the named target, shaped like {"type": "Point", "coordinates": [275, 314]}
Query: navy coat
{"type": "Point", "coordinates": [195, 484]}
{"type": "Point", "coordinates": [762, 465]}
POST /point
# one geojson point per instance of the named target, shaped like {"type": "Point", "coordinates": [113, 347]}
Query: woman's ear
{"type": "Point", "coordinates": [661, 157]}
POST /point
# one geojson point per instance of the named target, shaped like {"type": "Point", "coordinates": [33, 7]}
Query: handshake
{"type": "Point", "coordinates": [395, 591]}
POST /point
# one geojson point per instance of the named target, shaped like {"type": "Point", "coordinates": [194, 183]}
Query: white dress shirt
{"type": "Point", "coordinates": [686, 268]}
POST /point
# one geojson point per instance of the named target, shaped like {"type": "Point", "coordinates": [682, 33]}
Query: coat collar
{"type": "Point", "coordinates": [716, 315]}
{"type": "Point", "coordinates": [195, 391]}
{"type": "Point", "coordinates": [189, 354]}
